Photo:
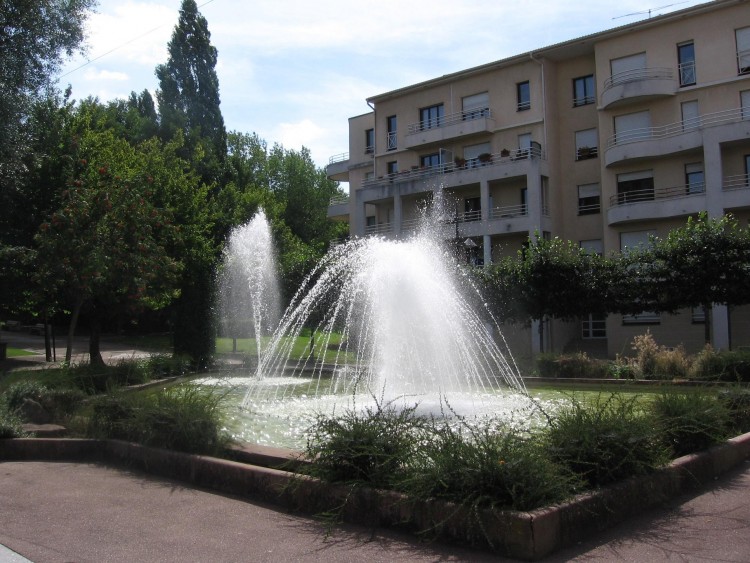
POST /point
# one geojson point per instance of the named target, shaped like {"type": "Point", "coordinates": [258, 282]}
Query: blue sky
{"type": "Point", "coordinates": [294, 71]}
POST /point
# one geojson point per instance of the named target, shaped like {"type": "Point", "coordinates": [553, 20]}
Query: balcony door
{"type": "Point", "coordinates": [628, 68]}
{"type": "Point", "coordinates": [633, 127]}
{"type": "Point", "coordinates": [635, 186]}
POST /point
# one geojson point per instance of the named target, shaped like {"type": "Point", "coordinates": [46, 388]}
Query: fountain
{"type": "Point", "coordinates": [249, 287]}
{"type": "Point", "coordinates": [379, 321]}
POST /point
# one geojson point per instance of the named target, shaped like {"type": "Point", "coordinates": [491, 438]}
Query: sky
{"type": "Point", "coordinates": [295, 71]}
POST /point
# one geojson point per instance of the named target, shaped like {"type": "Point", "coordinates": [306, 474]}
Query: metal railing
{"type": "Point", "coordinates": [652, 194]}
{"type": "Point", "coordinates": [509, 211]}
{"type": "Point", "coordinates": [673, 129]}
{"type": "Point", "coordinates": [687, 73]}
{"type": "Point", "coordinates": [342, 157]}
{"type": "Point", "coordinates": [743, 61]}
{"type": "Point", "coordinates": [339, 200]}
{"type": "Point", "coordinates": [636, 75]}
{"type": "Point", "coordinates": [736, 182]}
{"type": "Point", "coordinates": [392, 144]}
{"type": "Point", "coordinates": [379, 229]}
{"type": "Point", "coordinates": [423, 172]}
{"type": "Point", "coordinates": [446, 120]}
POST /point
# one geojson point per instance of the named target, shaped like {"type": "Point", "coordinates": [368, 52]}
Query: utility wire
{"type": "Point", "coordinates": [89, 61]}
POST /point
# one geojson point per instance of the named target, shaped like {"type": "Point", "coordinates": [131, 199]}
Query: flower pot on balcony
{"type": "Point", "coordinates": [485, 158]}
{"type": "Point", "coordinates": [504, 153]}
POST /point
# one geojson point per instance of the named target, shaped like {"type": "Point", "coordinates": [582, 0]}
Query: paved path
{"type": "Point", "coordinates": [62, 512]}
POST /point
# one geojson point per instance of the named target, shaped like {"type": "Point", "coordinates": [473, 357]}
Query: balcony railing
{"type": "Point", "coordinates": [743, 61]}
{"type": "Point", "coordinates": [391, 140]}
{"type": "Point", "coordinates": [342, 157]}
{"type": "Point", "coordinates": [680, 127]}
{"type": "Point", "coordinates": [446, 120]}
{"type": "Point", "coordinates": [379, 229]}
{"type": "Point", "coordinates": [425, 172]}
{"type": "Point", "coordinates": [687, 73]}
{"type": "Point", "coordinates": [636, 75]}
{"type": "Point", "coordinates": [339, 200]}
{"type": "Point", "coordinates": [509, 211]}
{"type": "Point", "coordinates": [652, 194]}
{"type": "Point", "coordinates": [736, 182]}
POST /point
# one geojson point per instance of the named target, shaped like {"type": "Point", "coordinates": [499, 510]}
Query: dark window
{"type": "Point", "coordinates": [594, 326]}
{"type": "Point", "coordinates": [523, 92]}
{"type": "Point", "coordinates": [369, 141]}
{"type": "Point", "coordinates": [589, 199]}
{"type": "Point", "coordinates": [583, 91]}
{"type": "Point", "coordinates": [524, 195]}
{"type": "Point", "coordinates": [686, 61]}
{"type": "Point", "coordinates": [431, 117]}
{"type": "Point", "coordinates": [429, 160]}
{"type": "Point", "coordinates": [473, 209]}
{"type": "Point", "coordinates": [391, 128]}
{"type": "Point", "coordinates": [392, 167]}
{"type": "Point", "coordinates": [640, 189]}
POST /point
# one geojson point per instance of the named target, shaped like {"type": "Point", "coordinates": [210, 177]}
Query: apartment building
{"type": "Point", "coordinates": [602, 140]}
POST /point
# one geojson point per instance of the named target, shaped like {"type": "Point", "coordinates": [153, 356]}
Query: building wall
{"type": "Point", "coordinates": [552, 120]}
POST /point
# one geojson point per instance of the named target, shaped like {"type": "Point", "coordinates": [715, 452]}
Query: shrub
{"type": "Point", "coordinates": [690, 422]}
{"type": "Point", "coordinates": [737, 403]}
{"type": "Point", "coordinates": [163, 365]}
{"type": "Point", "coordinates": [373, 446]}
{"type": "Point", "coordinates": [186, 418]}
{"type": "Point", "coordinates": [58, 403]}
{"type": "Point", "coordinates": [604, 440]}
{"type": "Point", "coordinates": [486, 467]}
{"type": "Point", "coordinates": [577, 365]}
{"type": "Point", "coordinates": [727, 365]}
{"type": "Point", "coordinates": [98, 379]}
{"type": "Point", "coordinates": [654, 361]}
{"type": "Point", "coordinates": [10, 424]}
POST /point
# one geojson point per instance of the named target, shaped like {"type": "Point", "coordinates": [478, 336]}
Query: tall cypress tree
{"type": "Point", "coordinates": [189, 94]}
{"type": "Point", "coordinates": [189, 106]}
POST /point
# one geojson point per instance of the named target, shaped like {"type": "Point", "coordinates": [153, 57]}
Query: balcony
{"type": "Point", "coordinates": [338, 206]}
{"type": "Point", "coordinates": [460, 124]}
{"type": "Point", "coordinates": [656, 203]}
{"type": "Point", "coordinates": [338, 167]}
{"type": "Point", "coordinates": [668, 139]}
{"type": "Point", "coordinates": [635, 85]}
{"type": "Point", "coordinates": [736, 191]}
{"type": "Point", "coordinates": [496, 165]}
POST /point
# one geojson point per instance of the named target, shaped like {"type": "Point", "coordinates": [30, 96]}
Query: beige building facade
{"type": "Point", "coordinates": [602, 140]}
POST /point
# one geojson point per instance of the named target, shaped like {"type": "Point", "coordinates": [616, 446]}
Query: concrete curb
{"type": "Point", "coordinates": [522, 535]}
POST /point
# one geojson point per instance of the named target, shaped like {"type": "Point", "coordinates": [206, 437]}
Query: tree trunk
{"type": "Point", "coordinates": [95, 353]}
{"type": "Point", "coordinates": [707, 323]}
{"type": "Point", "coordinates": [72, 329]}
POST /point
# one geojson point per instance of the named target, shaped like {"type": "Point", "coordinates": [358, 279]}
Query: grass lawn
{"type": "Point", "coordinates": [300, 348]}
{"type": "Point", "coordinates": [16, 352]}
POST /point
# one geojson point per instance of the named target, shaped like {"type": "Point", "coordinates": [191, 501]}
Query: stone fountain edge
{"type": "Point", "coordinates": [523, 535]}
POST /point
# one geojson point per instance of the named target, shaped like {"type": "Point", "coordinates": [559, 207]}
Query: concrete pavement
{"type": "Point", "coordinates": [60, 512]}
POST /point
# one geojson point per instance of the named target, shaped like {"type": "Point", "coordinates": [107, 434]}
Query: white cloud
{"type": "Point", "coordinates": [104, 75]}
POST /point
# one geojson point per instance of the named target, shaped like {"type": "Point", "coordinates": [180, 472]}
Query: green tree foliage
{"type": "Point", "coordinates": [107, 247]}
{"type": "Point", "coordinates": [189, 94]}
{"type": "Point", "coordinates": [34, 36]}
{"type": "Point", "coordinates": [707, 261]}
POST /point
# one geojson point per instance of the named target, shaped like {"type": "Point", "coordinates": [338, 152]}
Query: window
{"type": "Point", "coordinates": [391, 123]}
{"type": "Point", "coordinates": [627, 69]}
{"type": "Point", "coordinates": [589, 199]}
{"type": "Point", "coordinates": [586, 144]}
{"type": "Point", "coordinates": [698, 315]}
{"type": "Point", "coordinates": [429, 160]}
{"type": "Point", "coordinates": [743, 49]}
{"type": "Point", "coordinates": [695, 181]}
{"type": "Point", "coordinates": [583, 91]}
{"type": "Point", "coordinates": [392, 167]}
{"type": "Point", "coordinates": [635, 186]}
{"type": "Point", "coordinates": [431, 117]}
{"type": "Point", "coordinates": [686, 63]}
{"type": "Point", "coordinates": [594, 246]}
{"type": "Point", "coordinates": [633, 127]}
{"type": "Point", "coordinates": [594, 326]}
{"type": "Point", "coordinates": [523, 95]}
{"type": "Point", "coordinates": [524, 146]}
{"type": "Point", "coordinates": [472, 154]}
{"type": "Point", "coordinates": [690, 115]}
{"type": "Point", "coordinates": [475, 106]}
{"type": "Point", "coordinates": [473, 209]}
{"type": "Point", "coordinates": [524, 200]}
{"type": "Point", "coordinates": [369, 141]}
{"type": "Point", "coordinates": [745, 103]}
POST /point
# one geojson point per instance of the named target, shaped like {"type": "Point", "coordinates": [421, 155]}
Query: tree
{"type": "Point", "coordinates": [189, 94]}
{"type": "Point", "coordinates": [705, 262]}
{"type": "Point", "coordinates": [107, 246]}
{"type": "Point", "coordinates": [34, 36]}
